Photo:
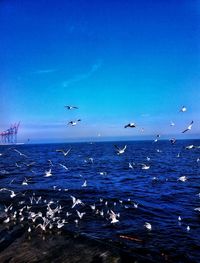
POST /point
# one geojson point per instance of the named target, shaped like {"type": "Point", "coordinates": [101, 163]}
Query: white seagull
{"type": "Point", "coordinates": [80, 215]}
{"type": "Point", "coordinates": [189, 127]}
{"type": "Point", "coordinates": [64, 153]}
{"type": "Point", "coordinates": [73, 123]}
{"type": "Point", "coordinates": [63, 166]}
{"type": "Point", "coordinates": [76, 201]}
{"type": "Point", "coordinates": [148, 225]}
{"type": "Point", "coordinates": [21, 154]}
{"type": "Point", "coordinates": [12, 192]}
{"type": "Point", "coordinates": [183, 109]}
{"type": "Point", "coordinates": [120, 150]}
{"type": "Point", "coordinates": [172, 123]}
{"type": "Point", "coordinates": [84, 184]}
{"type": "Point", "coordinates": [145, 167]}
{"type": "Point", "coordinates": [182, 178]}
{"type": "Point", "coordinates": [48, 173]}
{"type": "Point", "coordinates": [189, 147]}
{"type": "Point", "coordinates": [113, 216]}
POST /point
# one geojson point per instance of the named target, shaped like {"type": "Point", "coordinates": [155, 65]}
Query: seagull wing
{"type": "Point", "coordinates": [62, 151]}
{"type": "Point", "coordinates": [73, 199]}
{"type": "Point", "coordinates": [185, 130]}
{"type": "Point", "coordinates": [68, 151]}
{"type": "Point", "coordinates": [17, 151]}
{"type": "Point", "coordinates": [190, 126]}
{"type": "Point", "coordinates": [117, 147]}
{"type": "Point", "coordinates": [124, 148]}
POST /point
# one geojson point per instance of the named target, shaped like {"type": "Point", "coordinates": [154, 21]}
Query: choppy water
{"type": "Point", "coordinates": [160, 196]}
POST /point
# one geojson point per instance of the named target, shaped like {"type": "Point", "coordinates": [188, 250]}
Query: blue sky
{"type": "Point", "coordinates": [118, 61]}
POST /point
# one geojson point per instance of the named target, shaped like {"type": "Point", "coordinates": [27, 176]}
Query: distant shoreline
{"type": "Point", "coordinates": [92, 142]}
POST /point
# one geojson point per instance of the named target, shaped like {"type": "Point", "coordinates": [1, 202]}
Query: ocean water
{"type": "Point", "coordinates": [135, 195]}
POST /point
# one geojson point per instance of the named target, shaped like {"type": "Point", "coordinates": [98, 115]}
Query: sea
{"type": "Point", "coordinates": [152, 191]}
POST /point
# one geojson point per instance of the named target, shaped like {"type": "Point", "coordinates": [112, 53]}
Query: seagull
{"type": "Point", "coordinates": [148, 225]}
{"type": "Point", "coordinates": [188, 128]}
{"type": "Point", "coordinates": [172, 123]}
{"type": "Point", "coordinates": [48, 173]}
{"type": "Point", "coordinates": [17, 165]}
{"type": "Point", "coordinates": [120, 150]}
{"type": "Point", "coordinates": [89, 159]}
{"type": "Point", "coordinates": [93, 207]}
{"type": "Point", "coordinates": [71, 107]}
{"type": "Point", "coordinates": [68, 214]}
{"type": "Point", "coordinates": [64, 153]}
{"type": "Point", "coordinates": [103, 173]}
{"type": "Point", "coordinates": [12, 192]}
{"type": "Point", "coordinates": [76, 201]}
{"type": "Point", "coordinates": [173, 140]}
{"type": "Point", "coordinates": [63, 166]}
{"type": "Point", "coordinates": [130, 125]}
{"type": "Point", "coordinates": [189, 147]}
{"type": "Point", "coordinates": [145, 167]}
{"type": "Point", "coordinates": [7, 208]}
{"type": "Point", "coordinates": [80, 215]}
{"type": "Point", "coordinates": [29, 164]}
{"type": "Point", "coordinates": [44, 225]}
{"type": "Point", "coordinates": [12, 181]}
{"type": "Point", "coordinates": [188, 228]}
{"type": "Point", "coordinates": [84, 184]}
{"type": "Point", "coordinates": [183, 109]}
{"type": "Point", "coordinates": [21, 154]}
{"type": "Point", "coordinates": [7, 220]}
{"type": "Point", "coordinates": [113, 216]}
{"type": "Point", "coordinates": [73, 123]}
{"type": "Point", "coordinates": [50, 162]}
{"type": "Point", "coordinates": [130, 165]}
{"type": "Point", "coordinates": [157, 136]}
{"type": "Point", "coordinates": [182, 178]}
{"type": "Point", "coordinates": [25, 182]}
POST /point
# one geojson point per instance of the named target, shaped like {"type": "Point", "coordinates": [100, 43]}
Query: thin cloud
{"type": "Point", "coordinates": [86, 75]}
{"type": "Point", "coordinates": [44, 71]}
{"type": "Point", "coordinates": [145, 115]}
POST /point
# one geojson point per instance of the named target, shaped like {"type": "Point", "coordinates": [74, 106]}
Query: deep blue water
{"type": "Point", "coordinates": [160, 196]}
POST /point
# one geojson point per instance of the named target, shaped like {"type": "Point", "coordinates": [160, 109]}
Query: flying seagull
{"type": "Point", "coordinates": [189, 147]}
{"type": "Point", "coordinates": [172, 123]}
{"type": "Point", "coordinates": [21, 154]}
{"type": "Point", "coordinates": [188, 128]}
{"type": "Point", "coordinates": [64, 153]}
{"type": "Point", "coordinates": [73, 123]}
{"type": "Point", "coordinates": [120, 150]}
{"type": "Point", "coordinates": [71, 107]}
{"type": "Point", "coordinates": [148, 225]}
{"type": "Point", "coordinates": [183, 109]}
{"type": "Point", "coordinates": [130, 125]}
{"type": "Point", "coordinates": [173, 140]}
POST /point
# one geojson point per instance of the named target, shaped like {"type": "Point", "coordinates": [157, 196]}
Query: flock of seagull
{"type": "Point", "coordinates": [29, 209]}
{"type": "Point", "coordinates": [131, 124]}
